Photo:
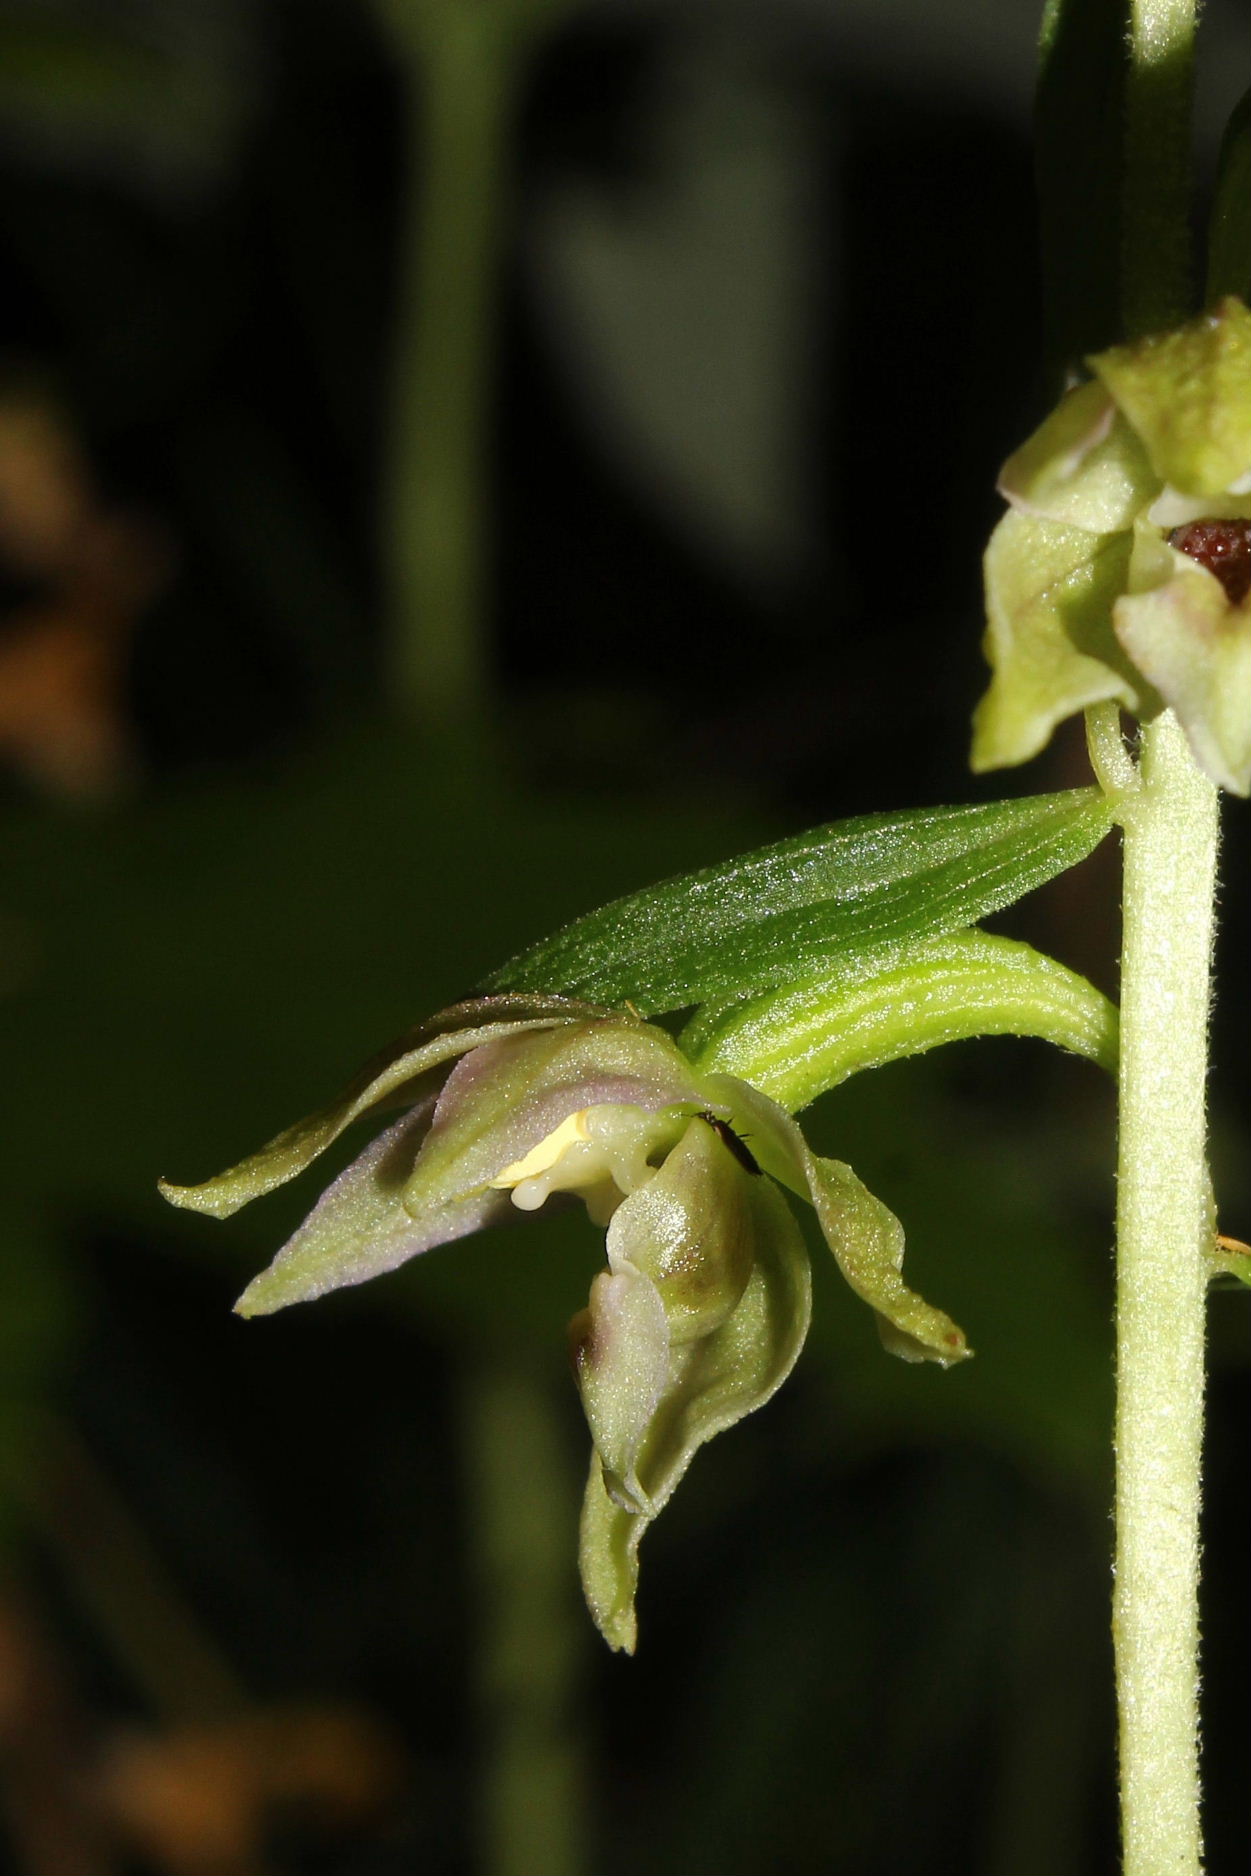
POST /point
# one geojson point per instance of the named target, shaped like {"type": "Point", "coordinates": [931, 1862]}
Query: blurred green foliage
{"type": "Point", "coordinates": [873, 1630]}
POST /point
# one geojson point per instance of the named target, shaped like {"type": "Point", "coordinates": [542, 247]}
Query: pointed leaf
{"type": "Point", "coordinates": [794, 1044]}
{"type": "Point", "coordinates": [806, 905]}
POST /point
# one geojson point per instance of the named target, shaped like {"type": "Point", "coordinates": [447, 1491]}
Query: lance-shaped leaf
{"type": "Point", "coordinates": [868, 887]}
{"type": "Point", "coordinates": [795, 1043]}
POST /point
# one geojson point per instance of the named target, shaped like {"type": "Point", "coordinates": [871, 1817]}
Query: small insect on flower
{"type": "Point", "coordinates": [733, 1141]}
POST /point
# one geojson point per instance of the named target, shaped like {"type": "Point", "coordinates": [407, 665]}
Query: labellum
{"type": "Point", "coordinates": [1224, 548]}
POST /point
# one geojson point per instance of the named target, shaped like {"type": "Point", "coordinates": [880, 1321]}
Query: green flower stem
{"type": "Point", "coordinates": [1156, 281]}
{"type": "Point", "coordinates": [1114, 767]}
{"type": "Point", "coordinates": [531, 1803]}
{"type": "Point", "coordinates": [1164, 1224]}
{"type": "Point", "coordinates": [1164, 1207]}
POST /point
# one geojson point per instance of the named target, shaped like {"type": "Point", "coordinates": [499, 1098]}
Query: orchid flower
{"type": "Point", "coordinates": [704, 1301]}
{"type": "Point", "coordinates": [1122, 571]}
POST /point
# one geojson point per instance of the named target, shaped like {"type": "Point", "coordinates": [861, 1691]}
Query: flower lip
{"type": "Point", "coordinates": [1223, 547]}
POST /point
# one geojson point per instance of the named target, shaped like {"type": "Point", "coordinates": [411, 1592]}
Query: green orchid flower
{"type": "Point", "coordinates": [1122, 571]}
{"type": "Point", "coordinates": [704, 1301]}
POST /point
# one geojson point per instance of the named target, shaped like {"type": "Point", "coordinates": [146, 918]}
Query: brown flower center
{"type": "Point", "coordinates": [1224, 548]}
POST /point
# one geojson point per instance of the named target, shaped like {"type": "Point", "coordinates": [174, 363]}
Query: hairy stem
{"type": "Point", "coordinates": [1164, 1225]}
{"type": "Point", "coordinates": [1164, 1208]}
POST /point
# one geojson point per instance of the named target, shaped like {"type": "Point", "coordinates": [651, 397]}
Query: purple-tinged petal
{"type": "Point", "coordinates": [510, 1094]}
{"type": "Point", "coordinates": [359, 1227]}
{"type": "Point", "coordinates": [622, 1364]}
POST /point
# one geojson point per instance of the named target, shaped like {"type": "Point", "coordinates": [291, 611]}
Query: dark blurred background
{"type": "Point", "coordinates": [459, 460]}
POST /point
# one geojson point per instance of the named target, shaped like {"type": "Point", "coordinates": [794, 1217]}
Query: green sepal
{"type": "Point", "coordinates": [1187, 393]}
{"type": "Point", "coordinates": [714, 1382]}
{"type": "Point", "coordinates": [1050, 590]}
{"type": "Point", "coordinates": [1083, 466]}
{"type": "Point", "coordinates": [794, 1044]}
{"type": "Point", "coordinates": [866, 1238]}
{"type": "Point", "coordinates": [393, 1078]}
{"type": "Point", "coordinates": [868, 887]}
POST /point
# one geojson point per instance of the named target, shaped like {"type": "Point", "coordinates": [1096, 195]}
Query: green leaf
{"type": "Point", "coordinates": [1050, 590]}
{"type": "Point", "coordinates": [1229, 231]}
{"type": "Point", "coordinates": [812, 904]}
{"type": "Point", "coordinates": [796, 1043]}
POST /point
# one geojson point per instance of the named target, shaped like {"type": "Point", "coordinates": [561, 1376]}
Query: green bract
{"type": "Point", "coordinates": [1087, 598]}
{"type": "Point", "coordinates": [703, 1305]}
{"type": "Point", "coordinates": [816, 906]}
